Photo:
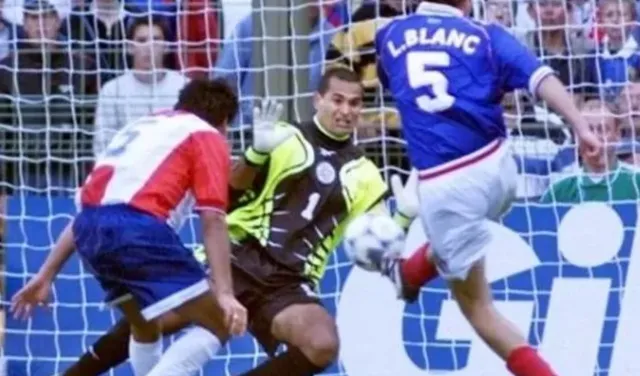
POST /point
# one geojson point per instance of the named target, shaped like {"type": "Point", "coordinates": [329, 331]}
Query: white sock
{"type": "Point", "coordinates": [188, 354]}
{"type": "Point", "coordinates": [144, 356]}
{"type": "Point", "coordinates": [3, 364]}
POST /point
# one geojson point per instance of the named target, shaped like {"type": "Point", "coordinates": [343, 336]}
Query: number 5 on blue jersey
{"type": "Point", "coordinates": [422, 71]}
{"type": "Point", "coordinates": [449, 74]}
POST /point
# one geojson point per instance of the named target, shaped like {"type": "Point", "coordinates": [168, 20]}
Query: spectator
{"type": "Point", "coordinates": [629, 103]}
{"type": "Point", "coordinates": [605, 179]}
{"type": "Point", "coordinates": [235, 60]}
{"type": "Point", "coordinates": [556, 45]}
{"type": "Point", "coordinates": [232, 11]}
{"type": "Point", "coordinates": [168, 10]}
{"type": "Point", "coordinates": [44, 98]}
{"type": "Point", "coordinates": [9, 34]}
{"type": "Point", "coordinates": [500, 12]}
{"type": "Point", "coordinates": [616, 59]}
{"type": "Point", "coordinates": [629, 152]}
{"type": "Point", "coordinates": [199, 37]}
{"type": "Point", "coordinates": [354, 46]}
{"type": "Point", "coordinates": [99, 29]}
{"type": "Point", "coordinates": [503, 13]}
{"type": "Point", "coordinates": [371, 10]}
{"type": "Point", "coordinates": [583, 17]}
{"type": "Point", "coordinates": [537, 163]}
{"type": "Point", "coordinates": [338, 12]}
{"type": "Point", "coordinates": [146, 88]}
{"type": "Point", "coordinates": [159, 7]}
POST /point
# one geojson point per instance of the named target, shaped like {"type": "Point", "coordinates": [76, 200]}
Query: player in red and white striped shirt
{"type": "Point", "coordinates": [154, 172]}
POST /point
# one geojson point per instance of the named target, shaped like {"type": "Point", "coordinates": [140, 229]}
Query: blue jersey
{"type": "Point", "coordinates": [447, 75]}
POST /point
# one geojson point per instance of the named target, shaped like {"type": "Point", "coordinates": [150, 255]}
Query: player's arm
{"type": "Point", "coordinates": [215, 239]}
{"type": "Point", "coordinates": [36, 291]}
{"type": "Point", "coordinates": [62, 250]}
{"type": "Point", "coordinates": [552, 90]}
{"type": "Point", "coordinates": [245, 170]}
{"type": "Point", "coordinates": [518, 68]}
{"type": "Point", "coordinates": [210, 162]}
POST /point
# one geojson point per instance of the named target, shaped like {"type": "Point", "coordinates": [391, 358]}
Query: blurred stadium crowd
{"type": "Point", "coordinates": [73, 72]}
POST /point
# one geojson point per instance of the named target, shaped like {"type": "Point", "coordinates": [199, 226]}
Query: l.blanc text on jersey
{"type": "Point", "coordinates": [441, 36]}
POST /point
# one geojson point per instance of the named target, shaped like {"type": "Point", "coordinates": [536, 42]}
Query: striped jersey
{"type": "Point", "coordinates": [165, 165]}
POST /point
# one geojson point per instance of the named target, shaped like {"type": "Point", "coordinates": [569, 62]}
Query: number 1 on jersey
{"type": "Point", "coordinates": [420, 74]}
{"type": "Point", "coordinates": [307, 213]}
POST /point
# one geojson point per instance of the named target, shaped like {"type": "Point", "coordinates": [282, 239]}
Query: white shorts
{"type": "Point", "coordinates": [459, 198]}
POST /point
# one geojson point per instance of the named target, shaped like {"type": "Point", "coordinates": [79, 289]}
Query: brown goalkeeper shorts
{"type": "Point", "coordinates": [265, 292]}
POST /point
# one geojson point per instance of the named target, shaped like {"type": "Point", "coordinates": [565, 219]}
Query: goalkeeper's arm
{"type": "Point", "coordinates": [400, 218]}
{"type": "Point", "coordinates": [245, 170]}
{"type": "Point", "coordinates": [267, 135]}
{"type": "Point", "coordinates": [406, 196]}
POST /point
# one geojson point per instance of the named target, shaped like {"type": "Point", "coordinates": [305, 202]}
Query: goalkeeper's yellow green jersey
{"type": "Point", "coordinates": [311, 186]}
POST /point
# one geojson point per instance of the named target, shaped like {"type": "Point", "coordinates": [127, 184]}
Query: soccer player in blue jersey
{"type": "Point", "coordinates": [449, 74]}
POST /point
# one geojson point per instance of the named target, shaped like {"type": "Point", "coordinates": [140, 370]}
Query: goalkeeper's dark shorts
{"type": "Point", "coordinates": [265, 289]}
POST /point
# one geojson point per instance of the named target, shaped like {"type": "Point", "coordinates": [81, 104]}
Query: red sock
{"type": "Point", "coordinates": [525, 361]}
{"type": "Point", "coordinates": [417, 270]}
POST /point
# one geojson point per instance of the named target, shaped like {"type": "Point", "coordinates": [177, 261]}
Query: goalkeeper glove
{"type": "Point", "coordinates": [267, 133]}
{"type": "Point", "coordinates": [407, 204]}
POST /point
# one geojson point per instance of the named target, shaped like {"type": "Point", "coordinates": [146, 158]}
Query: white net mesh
{"type": "Point", "coordinates": [559, 273]}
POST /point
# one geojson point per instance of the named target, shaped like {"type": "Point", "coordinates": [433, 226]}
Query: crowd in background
{"type": "Point", "coordinates": [73, 72]}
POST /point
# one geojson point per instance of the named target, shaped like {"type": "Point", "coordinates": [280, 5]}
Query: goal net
{"type": "Point", "coordinates": [568, 275]}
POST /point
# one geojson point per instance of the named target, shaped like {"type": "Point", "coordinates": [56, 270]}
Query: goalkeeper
{"type": "Point", "coordinates": [292, 195]}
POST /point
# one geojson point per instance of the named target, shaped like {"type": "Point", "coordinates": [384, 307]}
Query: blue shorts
{"type": "Point", "coordinates": [134, 254]}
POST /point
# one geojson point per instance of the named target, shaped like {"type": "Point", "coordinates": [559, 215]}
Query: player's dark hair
{"type": "Point", "coordinates": [212, 100]}
{"type": "Point", "coordinates": [339, 72]}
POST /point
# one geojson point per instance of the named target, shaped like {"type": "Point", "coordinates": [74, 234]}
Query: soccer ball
{"type": "Point", "coordinates": [370, 237]}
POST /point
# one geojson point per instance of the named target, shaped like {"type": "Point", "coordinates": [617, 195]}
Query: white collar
{"type": "Point", "coordinates": [121, 11]}
{"type": "Point", "coordinates": [596, 178]}
{"type": "Point", "coordinates": [629, 47]}
{"type": "Point", "coordinates": [441, 9]}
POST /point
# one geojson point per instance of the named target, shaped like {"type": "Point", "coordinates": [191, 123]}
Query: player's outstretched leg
{"type": "Point", "coordinates": [145, 344]}
{"type": "Point", "coordinates": [312, 339]}
{"type": "Point", "coordinates": [204, 312]}
{"type": "Point", "coordinates": [410, 274]}
{"type": "Point", "coordinates": [112, 349]}
{"type": "Point", "coordinates": [476, 303]}
{"type": "Point", "coordinates": [189, 353]}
